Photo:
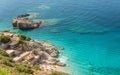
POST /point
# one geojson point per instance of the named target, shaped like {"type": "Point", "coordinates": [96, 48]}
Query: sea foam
{"type": "Point", "coordinates": [53, 21]}
{"type": "Point", "coordinates": [33, 14]}
{"type": "Point", "coordinates": [44, 7]}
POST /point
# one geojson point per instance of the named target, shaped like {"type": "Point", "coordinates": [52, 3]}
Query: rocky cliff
{"type": "Point", "coordinates": [23, 22]}
{"type": "Point", "coordinates": [24, 49]}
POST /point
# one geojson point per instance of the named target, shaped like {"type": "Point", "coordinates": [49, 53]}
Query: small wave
{"type": "Point", "coordinates": [63, 59]}
{"type": "Point", "coordinates": [44, 7]}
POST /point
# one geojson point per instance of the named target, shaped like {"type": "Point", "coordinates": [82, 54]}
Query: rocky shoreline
{"type": "Point", "coordinates": [24, 49]}
{"type": "Point", "coordinates": [23, 22]}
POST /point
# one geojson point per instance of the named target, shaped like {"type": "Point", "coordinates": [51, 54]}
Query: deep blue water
{"type": "Point", "coordinates": [89, 30]}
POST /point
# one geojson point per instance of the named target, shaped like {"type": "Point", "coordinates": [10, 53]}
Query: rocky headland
{"type": "Point", "coordinates": [23, 22]}
{"type": "Point", "coordinates": [24, 49]}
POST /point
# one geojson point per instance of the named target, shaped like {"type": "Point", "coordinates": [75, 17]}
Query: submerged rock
{"type": "Point", "coordinates": [24, 15]}
{"type": "Point", "coordinates": [61, 64]}
{"type": "Point", "coordinates": [23, 22]}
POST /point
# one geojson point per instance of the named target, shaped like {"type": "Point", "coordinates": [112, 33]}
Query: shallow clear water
{"type": "Point", "coordinates": [88, 29]}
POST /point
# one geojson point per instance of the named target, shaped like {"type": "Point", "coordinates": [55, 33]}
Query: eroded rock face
{"type": "Point", "coordinates": [50, 49]}
{"type": "Point", "coordinates": [23, 22]}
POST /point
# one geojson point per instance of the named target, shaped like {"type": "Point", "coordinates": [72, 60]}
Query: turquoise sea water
{"type": "Point", "coordinates": [89, 30]}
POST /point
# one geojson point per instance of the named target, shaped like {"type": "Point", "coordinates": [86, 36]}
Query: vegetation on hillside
{"type": "Point", "coordinates": [4, 39]}
{"type": "Point", "coordinates": [14, 68]}
{"type": "Point", "coordinates": [4, 71]}
{"type": "Point", "coordinates": [58, 73]}
{"type": "Point", "coordinates": [9, 67]}
{"type": "Point", "coordinates": [23, 37]}
{"type": "Point", "coordinates": [22, 42]}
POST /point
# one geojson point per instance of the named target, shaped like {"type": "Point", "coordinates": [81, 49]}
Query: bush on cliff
{"type": "Point", "coordinates": [23, 37]}
{"type": "Point", "coordinates": [22, 42]}
{"type": "Point", "coordinates": [4, 71]}
{"type": "Point", "coordinates": [4, 39]}
{"type": "Point", "coordinates": [24, 68]}
{"type": "Point", "coordinates": [58, 73]}
{"type": "Point", "coordinates": [5, 59]}
{"type": "Point", "coordinates": [3, 53]}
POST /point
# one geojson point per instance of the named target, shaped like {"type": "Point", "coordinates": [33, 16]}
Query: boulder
{"type": "Point", "coordinates": [54, 54]}
{"type": "Point", "coordinates": [60, 64]}
{"type": "Point", "coordinates": [22, 22]}
{"type": "Point", "coordinates": [4, 46]}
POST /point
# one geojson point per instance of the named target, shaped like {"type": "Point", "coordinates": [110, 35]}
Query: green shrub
{"type": "Point", "coordinates": [5, 59]}
{"type": "Point", "coordinates": [7, 63]}
{"type": "Point", "coordinates": [3, 53]}
{"type": "Point", "coordinates": [4, 39]}
{"type": "Point", "coordinates": [28, 38]}
{"type": "Point", "coordinates": [17, 73]}
{"type": "Point", "coordinates": [36, 67]}
{"type": "Point", "coordinates": [23, 37]}
{"type": "Point", "coordinates": [24, 68]}
{"type": "Point", "coordinates": [4, 71]}
{"type": "Point", "coordinates": [58, 73]}
{"type": "Point", "coordinates": [22, 42]}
